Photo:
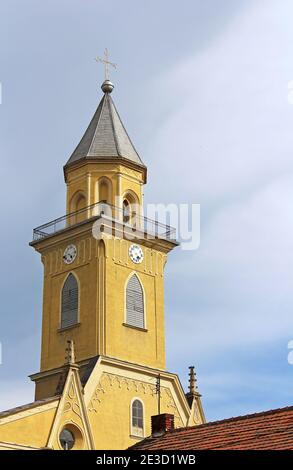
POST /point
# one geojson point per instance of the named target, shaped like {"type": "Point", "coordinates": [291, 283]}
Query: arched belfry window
{"type": "Point", "coordinates": [134, 303]}
{"type": "Point", "coordinates": [77, 208]}
{"type": "Point", "coordinates": [130, 208]}
{"type": "Point", "coordinates": [69, 302]}
{"type": "Point", "coordinates": [126, 211]}
{"type": "Point", "coordinates": [137, 418]}
{"type": "Point", "coordinates": [105, 190]}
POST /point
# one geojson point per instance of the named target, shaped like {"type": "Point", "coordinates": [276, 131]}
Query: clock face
{"type": "Point", "coordinates": [136, 254]}
{"type": "Point", "coordinates": [69, 254]}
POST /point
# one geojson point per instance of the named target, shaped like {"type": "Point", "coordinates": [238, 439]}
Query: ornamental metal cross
{"type": "Point", "coordinates": [106, 63]}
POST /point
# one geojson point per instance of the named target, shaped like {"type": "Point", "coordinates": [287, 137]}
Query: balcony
{"type": "Point", "coordinates": [133, 224]}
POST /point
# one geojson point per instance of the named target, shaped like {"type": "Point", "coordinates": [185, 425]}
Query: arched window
{"type": "Point", "coordinates": [137, 418]}
{"type": "Point", "coordinates": [69, 303]}
{"type": "Point", "coordinates": [134, 303]}
{"type": "Point", "coordinates": [104, 190]}
{"type": "Point", "coordinates": [131, 208]}
{"type": "Point", "coordinates": [126, 211]}
{"type": "Point", "coordinates": [77, 208]}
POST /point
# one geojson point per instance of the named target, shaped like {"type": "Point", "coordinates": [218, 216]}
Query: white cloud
{"type": "Point", "coordinates": [230, 124]}
{"type": "Point", "coordinates": [239, 283]}
{"type": "Point", "coordinates": [227, 144]}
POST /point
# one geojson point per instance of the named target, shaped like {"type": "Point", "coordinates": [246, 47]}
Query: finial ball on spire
{"type": "Point", "coordinates": [107, 86]}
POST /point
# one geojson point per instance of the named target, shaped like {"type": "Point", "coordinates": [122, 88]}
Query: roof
{"type": "Point", "coordinates": [27, 406]}
{"type": "Point", "coordinates": [105, 137]}
{"type": "Point", "coordinates": [262, 431]}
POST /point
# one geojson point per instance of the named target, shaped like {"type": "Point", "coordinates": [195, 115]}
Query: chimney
{"type": "Point", "coordinates": [162, 423]}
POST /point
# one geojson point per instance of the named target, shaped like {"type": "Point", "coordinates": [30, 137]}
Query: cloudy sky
{"type": "Point", "coordinates": [202, 88]}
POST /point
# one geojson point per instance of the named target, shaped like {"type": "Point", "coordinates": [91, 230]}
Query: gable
{"type": "Point", "coordinates": [72, 415]}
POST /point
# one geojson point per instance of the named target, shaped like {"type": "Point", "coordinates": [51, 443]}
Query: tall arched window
{"type": "Point", "coordinates": [69, 302]}
{"type": "Point", "coordinates": [130, 208]}
{"type": "Point", "coordinates": [134, 303]}
{"type": "Point", "coordinates": [137, 418]}
{"type": "Point", "coordinates": [104, 190]}
{"type": "Point", "coordinates": [126, 211]}
{"type": "Point", "coordinates": [77, 208]}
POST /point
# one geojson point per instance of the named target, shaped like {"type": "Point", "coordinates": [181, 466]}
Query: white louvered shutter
{"type": "Point", "coordinates": [134, 303]}
{"type": "Point", "coordinates": [69, 308]}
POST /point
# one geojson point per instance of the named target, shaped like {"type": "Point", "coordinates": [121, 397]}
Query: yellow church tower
{"type": "Point", "coordinates": [103, 299]}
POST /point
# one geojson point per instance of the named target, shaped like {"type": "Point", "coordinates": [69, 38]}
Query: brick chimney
{"type": "Point", "coordinates": [162, 423]}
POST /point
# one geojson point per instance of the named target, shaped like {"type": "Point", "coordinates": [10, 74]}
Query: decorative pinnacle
{"type": "Point", "coordinates": [70, 354]}
{"type": "Point", "coordinates": [192, 380]}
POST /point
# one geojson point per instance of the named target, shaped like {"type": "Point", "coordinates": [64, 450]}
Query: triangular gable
{"type": "Point", "coordinates": [128, 373]}
{"type": "Point", "coordinates": [72, 414]}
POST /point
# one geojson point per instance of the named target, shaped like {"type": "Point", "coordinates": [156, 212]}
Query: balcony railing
{"type": "Point", "coordinates": [113, 215]}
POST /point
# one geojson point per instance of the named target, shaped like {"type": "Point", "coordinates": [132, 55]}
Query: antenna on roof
{"type": "Point", "coordinates": [158, 392]}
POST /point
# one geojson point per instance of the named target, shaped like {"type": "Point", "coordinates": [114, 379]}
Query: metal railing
{"type": "Point", "coordinates": [133, 221]}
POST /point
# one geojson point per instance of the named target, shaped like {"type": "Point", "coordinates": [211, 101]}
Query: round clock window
{"type": "Point", "coordinates": [135, 254]}
{"type": "Point", "coordinates": [69, 254]}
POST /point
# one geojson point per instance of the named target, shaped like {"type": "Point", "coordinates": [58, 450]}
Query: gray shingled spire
{"type": "Point", "coordinates": [105, 136]}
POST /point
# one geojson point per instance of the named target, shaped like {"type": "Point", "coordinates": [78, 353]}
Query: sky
{"type": "Point", "coordinates": [202, 88]}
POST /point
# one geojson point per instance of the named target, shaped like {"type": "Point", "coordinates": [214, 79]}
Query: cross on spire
{"type": "Point", "coordinates": [106, 63]}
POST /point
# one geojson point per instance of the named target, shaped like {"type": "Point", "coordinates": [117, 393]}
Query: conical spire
{"type": "Point", "coordinates": [105, 137]}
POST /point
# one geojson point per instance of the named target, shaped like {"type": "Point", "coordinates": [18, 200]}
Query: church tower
{"type": "Point", "coordinates": [103, 287]}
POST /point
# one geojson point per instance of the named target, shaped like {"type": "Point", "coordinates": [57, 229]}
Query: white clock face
{"type": "Point", "coordinates": [136, 254]}
{"type": "Point", "coordinates": [69, 254]}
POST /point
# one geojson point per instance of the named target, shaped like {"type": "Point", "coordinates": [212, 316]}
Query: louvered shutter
{"type": "Point", "coordinates": [69, 309]}
{"type": "Point", "coordinates": [134, 303]}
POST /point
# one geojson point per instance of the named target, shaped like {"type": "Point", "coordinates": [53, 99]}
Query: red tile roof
{"type": "Point", "coordinates": [267, 430]}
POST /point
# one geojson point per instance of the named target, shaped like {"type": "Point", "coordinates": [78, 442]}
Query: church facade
{"type": "Point", "coordinates": [102, 372]}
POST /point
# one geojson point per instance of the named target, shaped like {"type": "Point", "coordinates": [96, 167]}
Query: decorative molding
{"type": "Point", "coordinates": [133, 174]}
{"type": "Point", "coordinates": [109, 382]}
{"type": "Point", "coordinates": [71, 402]}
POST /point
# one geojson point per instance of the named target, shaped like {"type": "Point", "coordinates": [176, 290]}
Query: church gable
{"type": "Point", "coordinates": [114, 394]}
{"type": "Point", "coordinates": [71, 418]}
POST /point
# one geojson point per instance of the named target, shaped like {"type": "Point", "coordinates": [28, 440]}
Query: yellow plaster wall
{"type": "Point", "coordinates": [102, 278]}
{"type": "Point", "coordinates": [84, 178]}
{"type": "Point", "coordinates": [56, 272]}
{"type": "Point", "coordinates": [109, 409]}
{"type": "Point", "coordinates": [32, 430]}
{"type": "Point", "coordinates": [126, 343]}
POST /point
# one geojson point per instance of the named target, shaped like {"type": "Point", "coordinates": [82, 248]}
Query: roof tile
{"type": "Point", "coordinates": [267, 430]}
{"type": "Point", "coordinates": [105, 137]}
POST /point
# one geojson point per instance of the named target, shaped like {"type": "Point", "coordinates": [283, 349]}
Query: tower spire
{"type": "Point", "coordinates": [106, 137]}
